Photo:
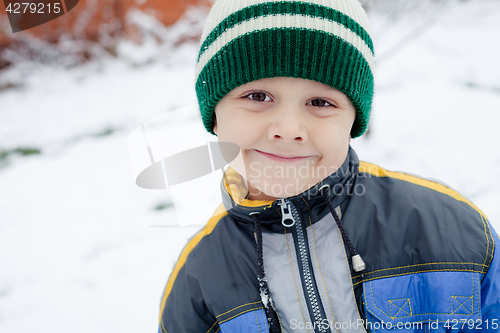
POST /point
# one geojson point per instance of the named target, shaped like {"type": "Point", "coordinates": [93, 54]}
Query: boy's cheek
{"type": "Point", "coordinates": [238, 164]}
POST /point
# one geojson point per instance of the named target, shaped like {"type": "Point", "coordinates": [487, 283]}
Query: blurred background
{"type": "Point", "coordinates": [80, 246]}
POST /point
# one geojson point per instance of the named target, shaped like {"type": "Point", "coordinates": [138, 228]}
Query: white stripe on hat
{"type": "Point", "coordinates": [223, 8]}
{"type": "Point", "coordinates": [285, 21]}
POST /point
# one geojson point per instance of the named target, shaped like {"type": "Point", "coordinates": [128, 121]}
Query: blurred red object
{"type": "Point", "coordinates": [90, 18]}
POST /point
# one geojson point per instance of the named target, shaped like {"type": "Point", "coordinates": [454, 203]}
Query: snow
{"type": "Point", "coordinates": [82, 248]}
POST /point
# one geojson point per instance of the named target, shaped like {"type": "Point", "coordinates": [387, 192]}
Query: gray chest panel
{"type": "Point", "coordinates": [332, 278]}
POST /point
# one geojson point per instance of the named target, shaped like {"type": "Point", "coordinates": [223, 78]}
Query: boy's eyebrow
{"type": "Point", "coordinates": [328, 88]}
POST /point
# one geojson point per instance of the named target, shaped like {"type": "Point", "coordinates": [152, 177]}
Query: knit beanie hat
{"type": "Point", "coordinates": [327, 41]}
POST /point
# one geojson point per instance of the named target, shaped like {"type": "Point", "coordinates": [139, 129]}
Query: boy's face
{"type": "Point", "coordinates": [287, 117]}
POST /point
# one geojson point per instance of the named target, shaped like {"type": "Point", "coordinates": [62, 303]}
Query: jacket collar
{"type": "Point", "coordinates": [234, 193]}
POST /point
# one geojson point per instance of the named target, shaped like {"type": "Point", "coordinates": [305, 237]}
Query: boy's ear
{"type": "Point", "coordinates": [215, 123]}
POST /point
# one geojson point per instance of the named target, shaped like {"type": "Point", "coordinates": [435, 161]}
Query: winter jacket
{"type": "Point", "coordinates": [430, 255]}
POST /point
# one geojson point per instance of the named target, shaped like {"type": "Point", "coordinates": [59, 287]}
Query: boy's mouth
{"type": "Point", "coordinates": [282, 158]}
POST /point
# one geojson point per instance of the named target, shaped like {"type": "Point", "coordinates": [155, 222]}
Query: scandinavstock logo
{"type": "Point", "coordinates": [173, 151]}
{"type": "Point", "coordinates": [28, 14]}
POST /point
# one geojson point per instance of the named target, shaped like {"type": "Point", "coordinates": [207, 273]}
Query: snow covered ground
{"type": "Point", "coordinates": [78, 248]}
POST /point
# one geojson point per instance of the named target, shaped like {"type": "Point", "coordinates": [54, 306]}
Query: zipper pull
{"type": "Point", "coordinates": [286, 213]}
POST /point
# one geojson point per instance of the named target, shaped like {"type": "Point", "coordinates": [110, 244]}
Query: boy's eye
{"type": "Point", "coordinates": [321, 103]}
{"type": "Point", "coordinates": [258, 96]}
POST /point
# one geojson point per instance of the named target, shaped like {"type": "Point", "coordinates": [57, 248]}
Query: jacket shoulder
{"type": "Point", "coordinates": [218, 260]}
{"type": "Point", "coordinates": [176, 289]}
{"type": "Point", "coordinates": [405, 223]}
{"type": "Point", "coordinates": [419, 188]}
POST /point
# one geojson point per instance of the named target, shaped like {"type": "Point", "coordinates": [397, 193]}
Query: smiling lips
{"type": "Point", "coordinates": [282, 158]}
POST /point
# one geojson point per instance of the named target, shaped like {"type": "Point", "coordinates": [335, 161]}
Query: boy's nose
{"type": "Point", "coordinates": [287, 125]}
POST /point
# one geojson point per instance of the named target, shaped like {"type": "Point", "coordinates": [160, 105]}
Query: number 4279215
{"type": "Point", "coordinates": [472, 324]}
{"type": "Point", "coordinates": [33, 8]}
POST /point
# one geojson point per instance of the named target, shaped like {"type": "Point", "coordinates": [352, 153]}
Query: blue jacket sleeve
{"type": "Point", "coordinates": [490, 292]}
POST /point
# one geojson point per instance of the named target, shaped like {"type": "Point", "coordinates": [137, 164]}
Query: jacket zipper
{"type": "Point", "coordinates": [289, 212]}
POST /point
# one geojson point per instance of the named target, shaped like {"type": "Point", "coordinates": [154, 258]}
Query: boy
{"type": "Point", "coordinates": [308, 238]}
